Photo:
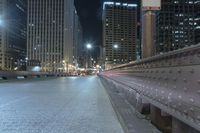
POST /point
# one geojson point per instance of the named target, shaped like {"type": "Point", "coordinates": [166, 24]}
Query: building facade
{"type": "Point", "coordinates": [78, 41]}
{"type": "Point", "coordinates": [178, 25]}
{"type": "Point", "coordinates": [50, 34]}
{"type": "Point", "coordinates": [119, 33]}
{"type": "Point", "coordinates": [13, 34]}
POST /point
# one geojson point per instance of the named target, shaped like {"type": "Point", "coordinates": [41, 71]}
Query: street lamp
{"type": "Point", "coordinates": [89, 46]}
{"type": "Point", "coordinates": [116, 46]}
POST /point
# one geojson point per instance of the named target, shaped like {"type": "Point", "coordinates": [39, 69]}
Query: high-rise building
{"type": "Point", "coordinates": [197, 21]}
{"type": "Point", "coordinates": [78, 40]}
{"type": "Point", "coordinates": [177, 24]}
{"type": "Point", "coordinates": [13, 34]}
{"type": "Point", "coordinates": [119, 33]}
{"type": "Point", "coordinates": [50, 34]}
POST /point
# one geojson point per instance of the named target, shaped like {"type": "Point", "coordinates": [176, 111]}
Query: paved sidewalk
{"type": "Point", "coordinates": [64, 105]}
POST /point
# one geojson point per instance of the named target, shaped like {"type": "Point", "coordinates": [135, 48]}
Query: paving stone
{"type": "Point", "coordinates": [63, 105]}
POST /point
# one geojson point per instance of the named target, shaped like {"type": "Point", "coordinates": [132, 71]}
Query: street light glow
{"type": "Point", "coordinates": [89, 46]}
{"type": "Point", "coordinates": [116, 46]}
{"type": "Point", "coordinates": [1, 21]}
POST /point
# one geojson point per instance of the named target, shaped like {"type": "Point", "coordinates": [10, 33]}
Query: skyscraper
{"type": "Point", "coordinates": [119, 33]}
{"type": "Point", "coordinates": [178, 24]}
{"type": "Point", "coordinates": [13, 34]}
{"type": "Point", "coordinates": [78, 40]}
{"type": "Point", "coordinates": [50, 34]}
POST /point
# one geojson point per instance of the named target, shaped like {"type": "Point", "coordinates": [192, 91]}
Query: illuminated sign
{"type": "Point", "coordinates": [118, 4]}
{"type": "Point", "coordinates": [151, 5]}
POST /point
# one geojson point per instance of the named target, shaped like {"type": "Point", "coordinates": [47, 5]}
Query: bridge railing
{"type": "Point", "coordinates": [25, 74]}
{"type": "Point", "coordinates": [169, 81]}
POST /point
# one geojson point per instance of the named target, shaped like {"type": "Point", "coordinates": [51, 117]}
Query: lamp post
{"type": "Point", "coordinates": [11, 63]}
{"type": "Point", "coordinates": [89, 47]}
{"type": "Point", "coordinates": [116, 47]}
{"type": "Point", "coordinates": [107, 63]}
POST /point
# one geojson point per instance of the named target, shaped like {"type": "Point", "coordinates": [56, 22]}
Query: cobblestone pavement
{"type": "Point", "coordinates": [64, 105]}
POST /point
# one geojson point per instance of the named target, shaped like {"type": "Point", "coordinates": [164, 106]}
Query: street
{"type": "Point", "coordinates": [61, 105]}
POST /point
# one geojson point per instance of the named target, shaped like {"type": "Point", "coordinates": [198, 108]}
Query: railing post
{"type": "Point", "coordinates": [161, 119]}
{"type": "Point", "coordinates": [148, 50]}
{"type": "Point", "coordinates": [148, 42]}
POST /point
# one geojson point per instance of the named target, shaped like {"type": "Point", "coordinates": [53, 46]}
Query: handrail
{"type": "Point", "coordinates": [26, 74]}
{"type": "Point", "coordinates": [169, 81]}
{"type": "Point", "coordinates": [194, 49]}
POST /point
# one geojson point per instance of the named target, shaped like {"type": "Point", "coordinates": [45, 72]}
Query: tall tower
{"type": "Point", "coordinates": [13, 34]}
{"type": "Point", "coordinates": [77, 49]}
{"type": "Point", "coordinates": [178, 24]}
{"type": "Point", "coordinates": [119, 33]}
{"type": "Point", "coordinates": [50, 34]}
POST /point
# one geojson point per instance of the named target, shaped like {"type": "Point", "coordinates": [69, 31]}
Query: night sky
{"type": "Point", "coordinates": [90, 16]}
{"type": "Point", "coordinates": [89, 12]}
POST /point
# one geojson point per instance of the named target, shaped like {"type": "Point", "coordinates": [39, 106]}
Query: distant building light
{"type": "Point", "coordinates": [176, 2]}
{"type": "Point", "coordinates": [132, 5]}
{"type": "Point", "coordinates": [190, 2]}
{"type": "Point", "coordinates": [107, 3]}
{"type": "Point", "coordinates": [181, 14]}
{"type": "Point", "coordinates": [181, 23]}
{"type": "Point", "coordinates": [198, 27]}
{"type": "Point", "coordinates": [125, 4]}
{"type": "Point", "coordinates": [36, 69]}
{"type": "Point", "coordinates": [118, 4]}
{"type": "Point", "coordinates": [176, 31]}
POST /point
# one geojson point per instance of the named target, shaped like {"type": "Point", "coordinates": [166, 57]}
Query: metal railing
{"type": "Point", "coordinates": [169, 81]}
{"type": "Point", "coordinates": [6, 75]}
